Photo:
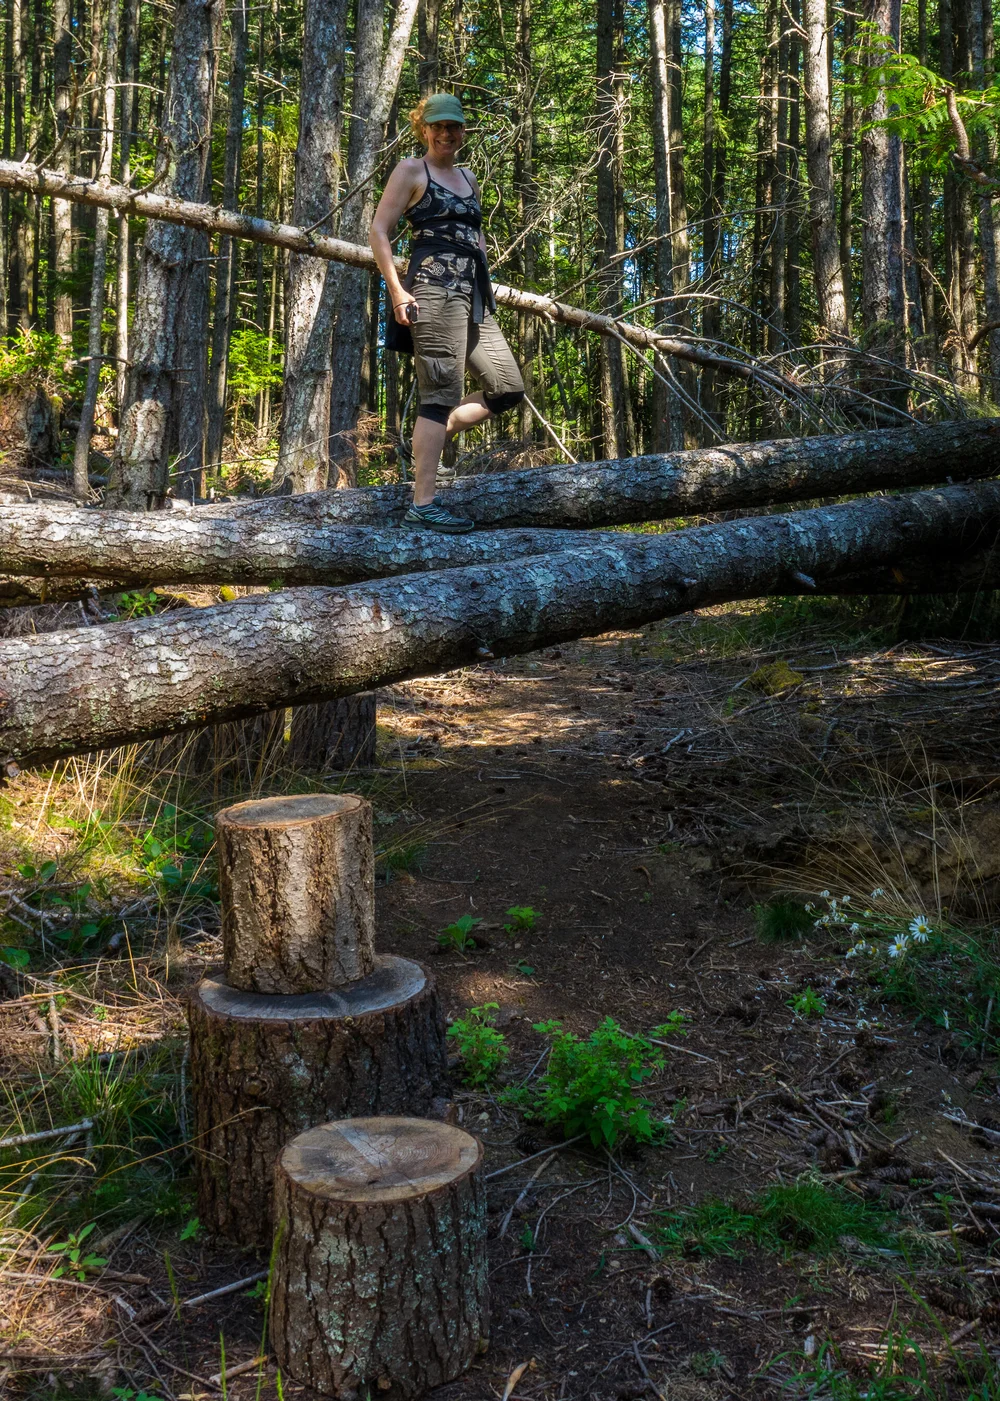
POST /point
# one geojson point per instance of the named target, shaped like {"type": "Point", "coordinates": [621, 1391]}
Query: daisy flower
{"type": "Point", "coordinates": [920, 929]}
{"type": "Point", "coordinates": [899, 946]}
{"type": "Point", "coordinates": [854, 929]}
{"type": "Point", "coordinates": [877, 893]}
{"type": "Point", "coordinates": [824, 895]}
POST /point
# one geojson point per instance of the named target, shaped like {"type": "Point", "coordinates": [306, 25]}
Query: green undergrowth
{"type": "Point", "coordinates": [807, 1215]}
{"type": "Point", "coordinates": [764, 624]}
{"type": "Point", "coordinates": [907, 1369]}
{"type": "Point", "coordinates": [781, 919]}
{"type": "Point", "coordinates": [132, 1159]}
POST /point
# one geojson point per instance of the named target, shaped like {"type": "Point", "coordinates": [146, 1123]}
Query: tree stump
{"type": "Point", "coordinates": [380, 1276]}
{"type": "Point", "coordinates": [334, 736]}
{"type": "Point", "coordinates": [263, 1068]}
{"type": "Point", "coordinates": [297, 886]}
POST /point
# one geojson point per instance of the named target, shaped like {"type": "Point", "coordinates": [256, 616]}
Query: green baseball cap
{"type": "Point", "coordinates": [442, 107]}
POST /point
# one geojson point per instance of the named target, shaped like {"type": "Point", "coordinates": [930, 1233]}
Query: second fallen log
{"type": "Point", "coordinates": [297, 887]}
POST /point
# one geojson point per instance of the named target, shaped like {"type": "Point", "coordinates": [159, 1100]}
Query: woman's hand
{"type": "Point", "coordinates": [400, 307]}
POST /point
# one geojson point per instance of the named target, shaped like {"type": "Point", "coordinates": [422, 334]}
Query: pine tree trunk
{"type": "Point", "coordinates": [225, 283]}
{"type": "Point", "coordinates": [428, 39]}
{"type": "Point", "coordinates": [376, 78]}
{"type": "Point", "coordinates": [310, 294]}
{"type": "Point", "coordinates": [129, 124]}
{"type": "Point", "coordinates": [62, 210]}
{"type": "Point", "coordinates": [847, 168]}
{"type": "Point", "coordinates": [712, 319]}
{"type": "Point", "coordinates": [668, 427]}
{"type": "Point", "coordinates": [139, 473]}
{"type": "Point", "coordinates": [827, 265]}
{"type": "Point", "coordinates": [883, 300]}
{"type": "Point", "coordinates": [380, 1282]}
{"type": "Point", "coordinates": [81, 454]}
{"type": "Point", "coordinates": [264, 1068]}
{"type": "Point", "coordinates": [609, 268]}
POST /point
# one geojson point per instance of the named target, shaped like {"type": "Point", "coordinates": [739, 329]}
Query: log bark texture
{"type": "Point", "coordinates": [312, 538]}
{"type": "Point", "coordinates": [37, 180]}
{"type": "Point", "coordinates": [264, 1068]}
{"type": "Point", "coordinates": [297, 886]}
{"type": "Point", "coordinates": [380, 1279]}
{"type": "Point", "coordinates": [72, 691]}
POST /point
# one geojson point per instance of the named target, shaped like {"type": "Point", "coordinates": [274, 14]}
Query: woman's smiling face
{"type": "Point", "coordinates": [443, 138]}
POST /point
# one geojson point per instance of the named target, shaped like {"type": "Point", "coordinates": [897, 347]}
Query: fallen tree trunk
{"type": "Point", "coordinates": [175, 547]}
{"type": "Point", "coordinates": [14, 175]}
{"type": "Point", "coordinates": [698, 481]}
{"type": "Point", "coordinates": [316, 537]}
{"type": "Point", "coordinates": [72, 691]}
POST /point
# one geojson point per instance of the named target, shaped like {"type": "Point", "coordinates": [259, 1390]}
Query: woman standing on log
{"type": "Point", "coordinates": [445, 299]}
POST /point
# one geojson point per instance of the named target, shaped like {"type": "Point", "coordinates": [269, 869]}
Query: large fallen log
{"type": "Point", "coordinates": [72, 691]}
{"type": "Point", "coordinates": [315, 537]}
{"type": "Point", "coordinates": [15, 175]}
{"type": "Point", "coordinates": [151, 547]}
{"type": "Point", "coordinates": [694, 482]}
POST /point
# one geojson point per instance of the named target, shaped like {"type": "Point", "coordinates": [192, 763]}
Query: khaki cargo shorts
{"type": "Point", "coordinates": [447, 342]}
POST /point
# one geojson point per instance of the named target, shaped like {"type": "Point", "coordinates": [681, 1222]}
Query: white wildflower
{"type": "Point", "coordinates": [809, 907]}
{"type": "Point", "coordinates": [920, 929]}
{"type": "Point", "coordinates": [899, 946]}
{"type": "Point", "coordinates": [845, 899]}
{"type": "Point", "coordinates": [854, 929]}
{"type": "Point", "coordinates": [824, 895]}
{"type": "Point", "coordinates": [859, 948]}
{"type": "Point", "coordinates": [877, 893]}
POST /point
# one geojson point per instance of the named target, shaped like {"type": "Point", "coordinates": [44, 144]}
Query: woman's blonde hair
{"type": "Point", "coordinates": [417, 121]}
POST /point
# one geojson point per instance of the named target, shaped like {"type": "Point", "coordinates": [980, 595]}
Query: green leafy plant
{"type": "Point", "coordinates": [136, 604]}
{"type": "Point", "coordinates": [406, 857]}
{"type": "Point", "coordinates": [458, 935]}
{"type": "Point", "coordinates": [78, 1259]}
{"type": "Point", "coordinates": [191, 1230]}
{"type": "Point", "coordinates": [524, 967]}
{"type": "Point", "coordinates": [14, 958]}
{"type": "Point", "coordinates": [482, 1047]}
{"type": "Point", "coordinates": [591, 1086]}
{"type": "Point", "coordinates": [521, 919]}
{"type": "Point", "coordinates": [806, 1215]}
{"type": "Point", "coordinates": [807, 1003]}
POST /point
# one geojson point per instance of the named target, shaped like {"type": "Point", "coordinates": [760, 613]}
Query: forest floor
{"type": "Point", "coordinates": [637, 822]}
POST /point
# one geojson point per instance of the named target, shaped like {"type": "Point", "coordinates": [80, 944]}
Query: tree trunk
{"type": "Point", "coordinates": [827, 266]}
{"type": "Point", "coordinates": [883, 302]}
{"type": "Point", "coordinates": [380, 1284]}
{"type": "Point", "coordinates": [139, 473]}
{"type": "Point", "coordinates": [129, 124]}
{"type": "Point", "coordinates": [989, 223]}
{"type": "Point", "coordinates": [225, 282]}
{"type": "Point", "coordinates": [297, 888]}
{"type": "Point", "coordinates": [69, 692]}
{"type": "Point", "coordinates": [668, 424]}
{"type": "Point", "coordinates": [525, 192]}
{"type": "Point", "coordinates": [62, 210]}
{"type": "Point", "coordinates": [345, 536]}
{"type": "Point", "coordinates": [847, 166]}
{"type": "Point", "coordinates": [304, 453]}
{"type": "Point", "coordinates": [81, 453]}
{"type": "Point", "coordinates": [264, 1068]}
{"type": "Point", "coordinates": [712, 319]}
{"type": "Point", "coordinates": [335, 736]}
{"type": "Point", "coordinates": [680, 233]}
{"type": "Point", "coordinates": [429, 68]}
{"type": "Point", "coordinates": [609, 263]}
{"type": "Point", "coordinates": [376, 78]}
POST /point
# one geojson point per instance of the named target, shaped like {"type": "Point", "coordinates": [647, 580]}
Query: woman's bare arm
{"type": "Point", "coordinates": [400, 190]}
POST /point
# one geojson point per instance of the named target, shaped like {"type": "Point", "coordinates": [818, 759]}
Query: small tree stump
{"type": "Point", "coordinates": [334, 736]}
{"type": "Point", "coordinates": [297, 885]}
{"type": "Point", "coordinates": [263, 1068]}
{"type": "Point", "coordinates": [380, 1276]}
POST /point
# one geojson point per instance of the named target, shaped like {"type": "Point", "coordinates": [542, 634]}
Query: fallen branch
{"type": "Point", "coordinates": [14, 175]}
{"type": "Point", "coordinates": [72, 691]}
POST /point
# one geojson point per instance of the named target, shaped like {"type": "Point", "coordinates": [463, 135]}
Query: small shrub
{"type": "Point", "coordinates": [458, 936]}
{"type": "Point", "coordinates": [521, 919]}
{"type": "Point", "coordinates": [807, 1003]}
{"type": "Point", "coordinates": [136, 605]}
{"type": "Point", "coordinates": [405, 858]}
{"type": "Point", "coordinates": [591, 1087]}
{"type": "Point", "coordinates": [482, 1047]}
{"type": "Point", "coordinates": [781, 919]}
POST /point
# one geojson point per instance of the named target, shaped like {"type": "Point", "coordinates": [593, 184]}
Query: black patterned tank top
{"type": "Point", "coordinates": [442, 216]}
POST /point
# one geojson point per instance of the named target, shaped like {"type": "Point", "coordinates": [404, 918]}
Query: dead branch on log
{"type": "Point", "coordinates": [72, 691]}
{"type": "Point", "coordinates": [15, 175]}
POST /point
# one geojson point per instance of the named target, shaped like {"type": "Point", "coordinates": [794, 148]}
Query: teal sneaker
{"type": "Point", "coordinates": [434, 516]}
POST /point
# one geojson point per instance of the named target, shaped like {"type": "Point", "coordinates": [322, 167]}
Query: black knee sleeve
{"type": "Point", "coordinates": [438, 413]}
{"type": "Point", "coordinates": [500, 403]}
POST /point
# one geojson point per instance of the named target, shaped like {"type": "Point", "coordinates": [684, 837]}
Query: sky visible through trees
{"type": "Point", "coordinates": [803, 185]}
